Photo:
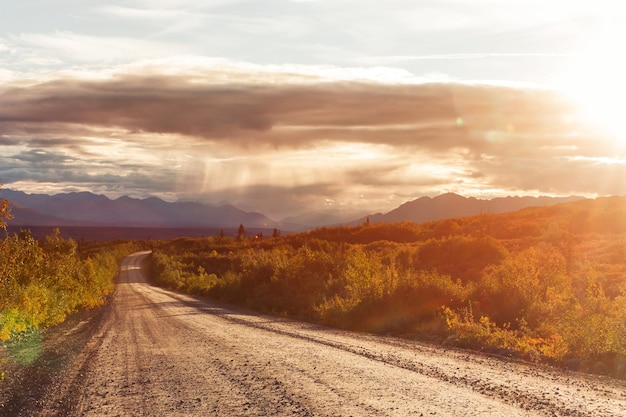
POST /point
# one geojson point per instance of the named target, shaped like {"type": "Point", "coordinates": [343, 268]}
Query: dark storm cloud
{"type": "Point", "coordinates": [432, 116]}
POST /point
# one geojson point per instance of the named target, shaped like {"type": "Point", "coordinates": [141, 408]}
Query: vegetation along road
{"type": "Point", "coordinates": [158, 353]}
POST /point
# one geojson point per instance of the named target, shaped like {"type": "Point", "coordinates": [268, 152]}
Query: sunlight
{"type": "Point", "coordinates": [595, 80]}
{"type": "Point", "coordinates": [358, 151]}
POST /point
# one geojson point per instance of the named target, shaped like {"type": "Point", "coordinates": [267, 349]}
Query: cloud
{"type": "Point", "coordinates": [144, 13]}
{"type": "Point", "coordinates": [134, 100]}
{"type": "Point", "coordinates": [459, 56]}
{"type": "Point", "coordinates": [62, 170]}
{"type": "Point", "coordinates": [287, 142]}
{"type": "Point", "coordinates": [59, 46]}
{"type": "Point", "coordinates": [425, 115]}
{"type": "Point", "coordinates": [555, 175]}
{"type": "Point", "coordinates": [41, 156]}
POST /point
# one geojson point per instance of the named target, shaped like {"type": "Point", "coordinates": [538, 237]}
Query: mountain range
{"type": "Point", "coordinates": [85, 209]}
{"type": "Point", "coordinates": [91, 210]}
{"type": "Point", "coordinates": [451, 205]}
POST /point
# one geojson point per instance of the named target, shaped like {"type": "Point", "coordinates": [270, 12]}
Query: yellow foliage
{"type": "Point", "coordinates": [529, 282]}
{"type": "Point", "coordinates": [41, 285]}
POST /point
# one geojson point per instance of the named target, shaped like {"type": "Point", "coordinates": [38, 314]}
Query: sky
{"type": "Point", "coordinates": [291, 106]}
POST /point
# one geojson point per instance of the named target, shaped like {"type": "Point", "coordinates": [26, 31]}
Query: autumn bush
{"type": "Point", "coordinates": [41, 283]}
{"type": "Point", "coordinates": [534, 283]}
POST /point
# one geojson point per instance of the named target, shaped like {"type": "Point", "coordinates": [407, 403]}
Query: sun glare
{"type": "Point", "coordinates": [595, 81]}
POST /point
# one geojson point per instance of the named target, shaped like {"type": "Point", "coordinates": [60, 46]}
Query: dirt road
{"type": "Point", "coordinates": [157, 353]}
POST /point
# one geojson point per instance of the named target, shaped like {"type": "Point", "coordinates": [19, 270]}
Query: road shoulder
{"type": "Point", "coordinates": [42, 367]}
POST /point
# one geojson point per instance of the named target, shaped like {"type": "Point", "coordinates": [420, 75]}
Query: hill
{"type": "Point", "coordinates": [452, 205]}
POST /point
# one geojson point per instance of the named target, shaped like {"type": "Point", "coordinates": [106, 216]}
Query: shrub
{"type": "Point", "coordinates": [40, 284]}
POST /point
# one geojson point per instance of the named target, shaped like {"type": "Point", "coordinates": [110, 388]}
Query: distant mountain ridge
{"type": "Point", "coordinates": [450, 205]}
{"type": "Point", "coordinates": [87, 209]}
{"type": "Point", "coordinates": [28, 217]}
{"type": "Point", "coordinates": [92, 210]}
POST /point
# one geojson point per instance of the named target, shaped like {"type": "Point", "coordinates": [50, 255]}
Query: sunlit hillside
{"type": "Point", "coordinates": [545, 284]}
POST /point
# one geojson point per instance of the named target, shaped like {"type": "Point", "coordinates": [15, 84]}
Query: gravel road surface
{"type": "Point", "coordinates": [158, 353]}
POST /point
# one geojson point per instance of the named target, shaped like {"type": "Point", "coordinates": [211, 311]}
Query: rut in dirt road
{"type": "Point", "coordinates": [157, 353]}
